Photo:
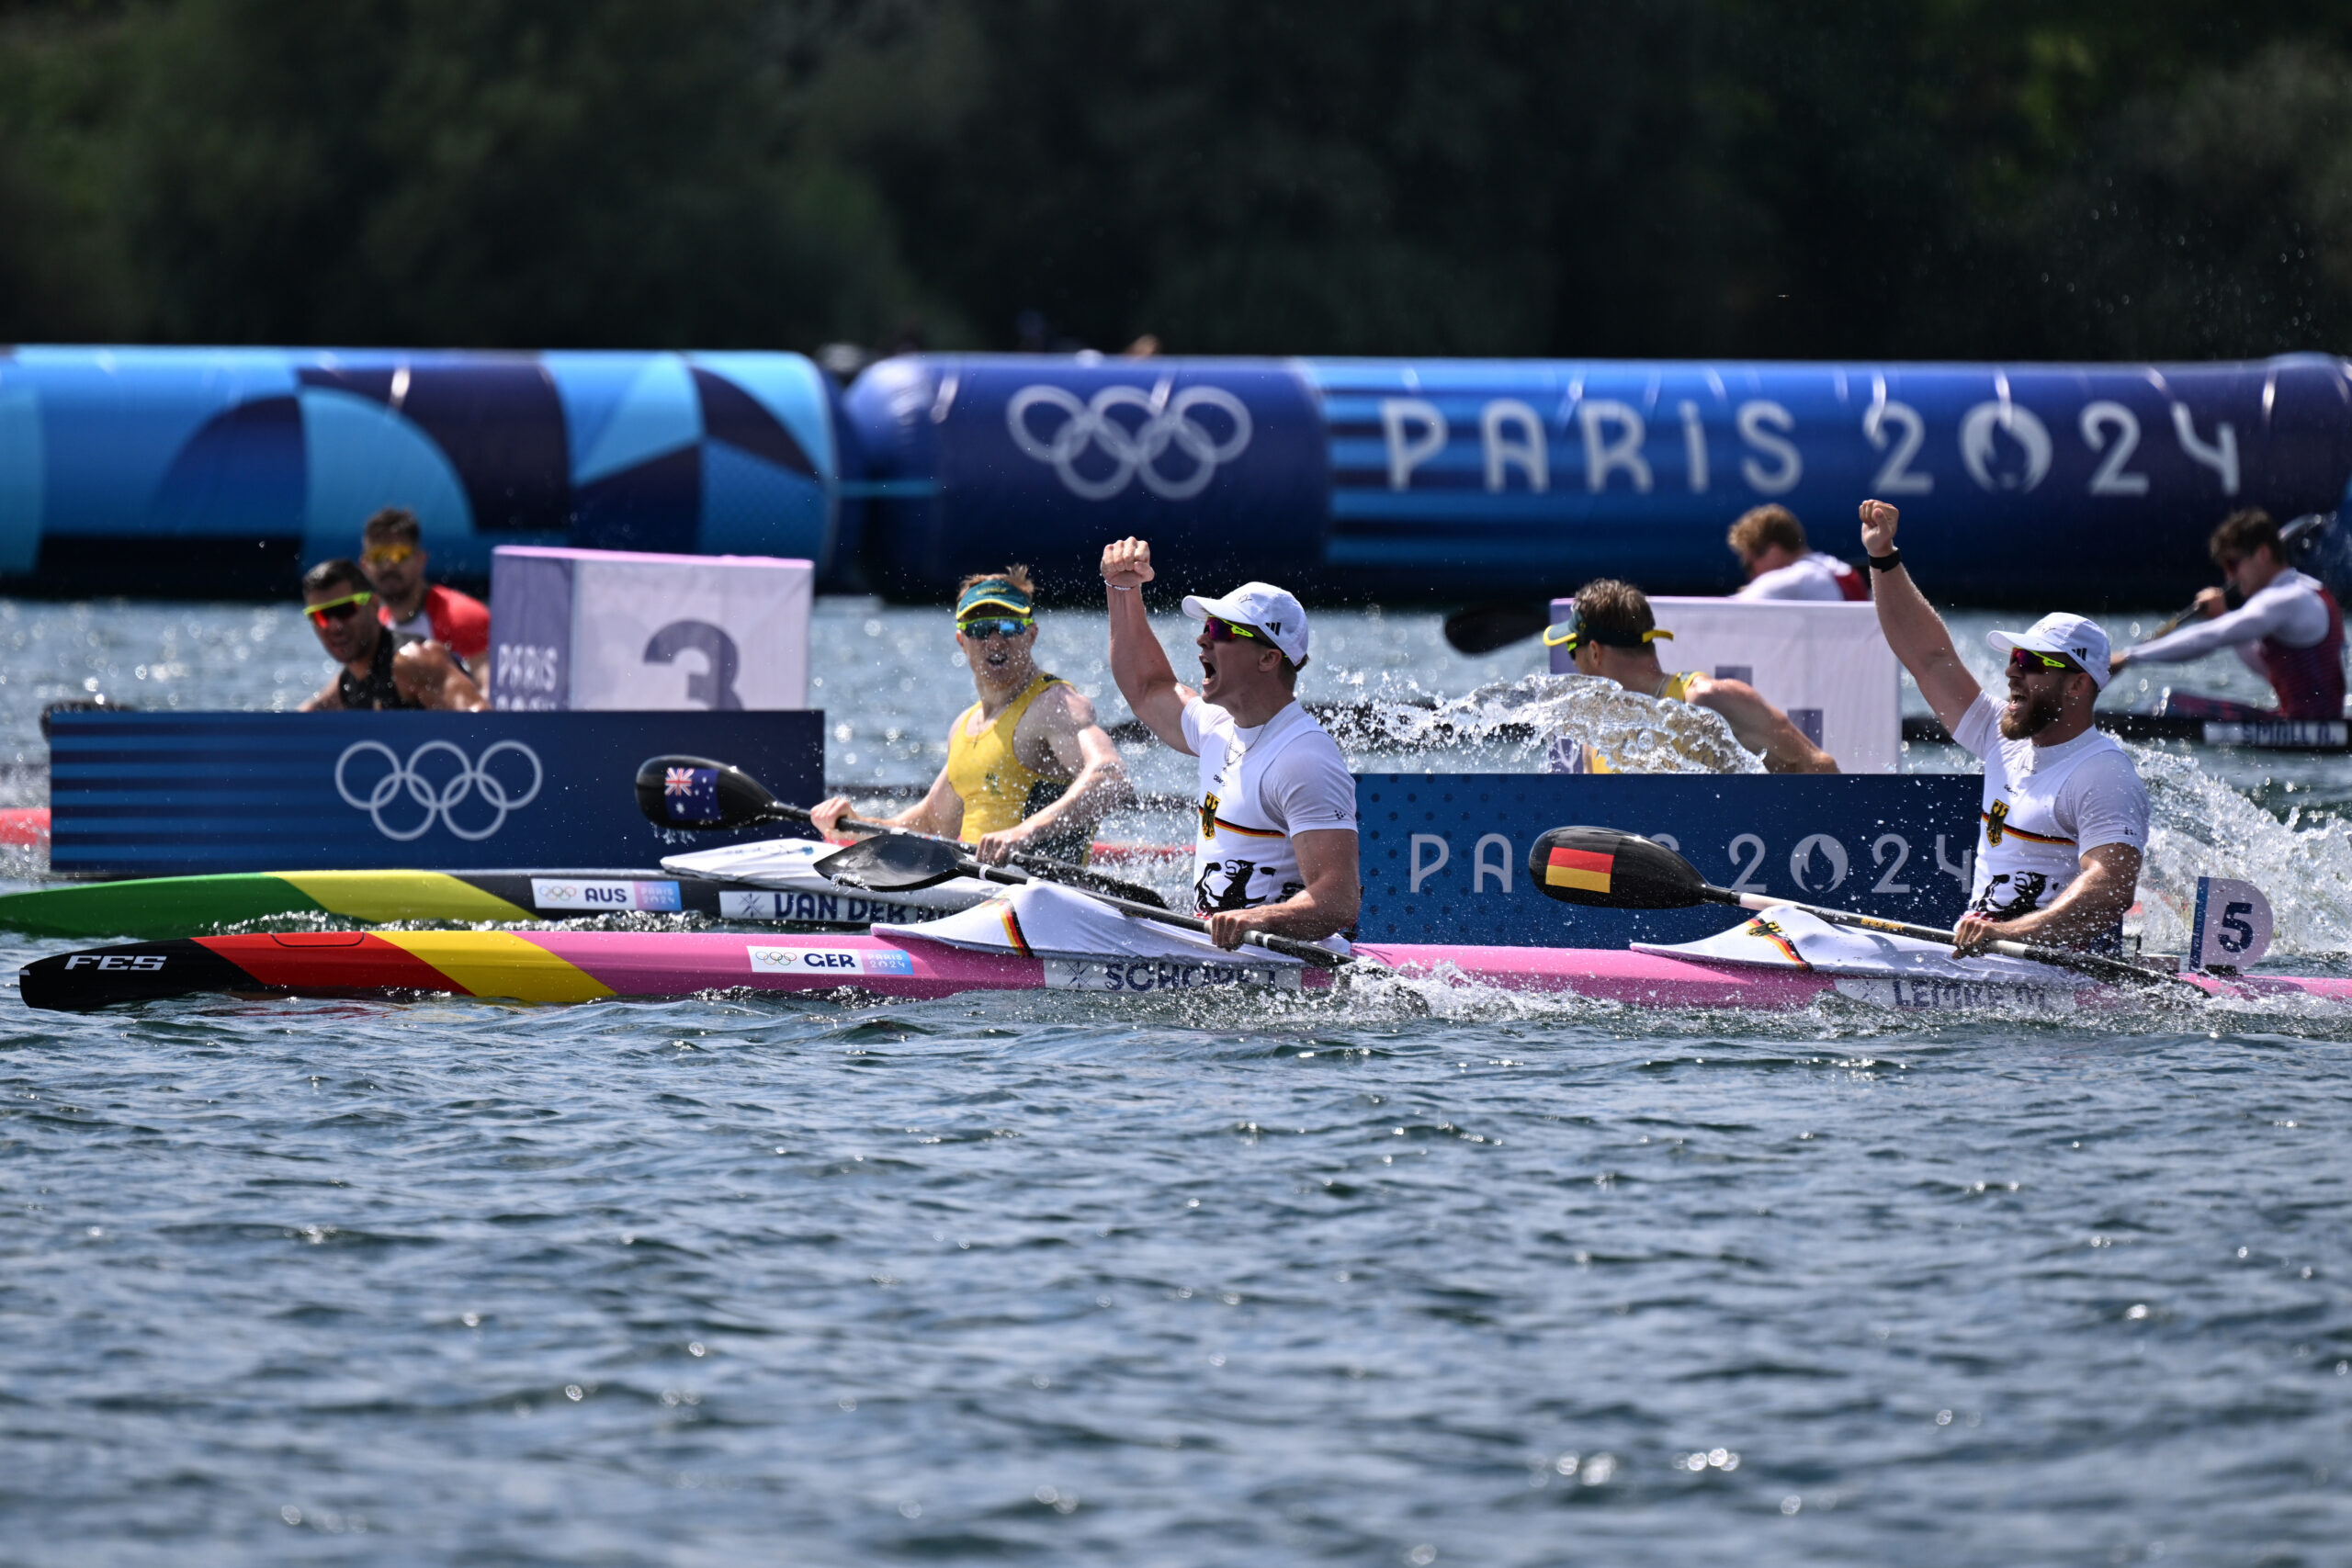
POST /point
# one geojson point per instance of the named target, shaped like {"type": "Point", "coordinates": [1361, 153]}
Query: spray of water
{"type": "Point", "coordinates": [2201, 827]}
{"type": "Point", "coordinates": [1522, 721]}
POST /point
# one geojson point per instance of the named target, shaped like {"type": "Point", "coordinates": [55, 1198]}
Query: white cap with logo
{"type": "Point", "coordinates": [2074, 636]}
{"type": "Point", "coordinates": [1271, 610]}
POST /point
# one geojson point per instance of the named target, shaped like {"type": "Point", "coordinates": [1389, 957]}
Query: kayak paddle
{"type": "Point", "coordinates": [1483, 628]}
{"type": "Point", "coordinates": [903, 863]}
{"type": "Point", "coordinates": [729, 797]}
{"type": "Point", "coordinates": [1603, 868]}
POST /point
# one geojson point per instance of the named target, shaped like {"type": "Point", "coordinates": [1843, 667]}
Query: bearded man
{"type": "Point", "coordinates": [2065, 819]}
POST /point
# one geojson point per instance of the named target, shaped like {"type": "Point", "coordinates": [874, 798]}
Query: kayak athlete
{"type": "Point", "coordinates": [2287, 628]}
{"type": "Point", "coordinates": [417, 610]}
{"type": "Point", "coordinates": [1769, 542]}
{"type": "Point", "coordinates": [1275, 850]}
{"type": "Point", "coordinates": [1028, 768]}
{"type": "Point", "coordinates": [2065, 819]}
{"type": "Point", "coordinates": [1610, 632]}
{"type": "Point", "coordinates": [377, 671]}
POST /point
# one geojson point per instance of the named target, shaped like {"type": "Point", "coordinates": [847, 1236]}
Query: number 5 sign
{"type": "Point", "coordinates": [2231, 929]}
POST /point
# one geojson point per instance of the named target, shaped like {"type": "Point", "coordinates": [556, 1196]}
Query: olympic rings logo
{"type": "Point", "coordinates": [440, 801]}
{"type": "Point", "coordinates": [1135, 453]}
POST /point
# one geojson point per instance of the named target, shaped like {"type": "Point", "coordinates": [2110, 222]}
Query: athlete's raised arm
{"type": "Point", "coordinates": [1910, 624]}
{"type": "Point", "coordinates": [1137, 661]}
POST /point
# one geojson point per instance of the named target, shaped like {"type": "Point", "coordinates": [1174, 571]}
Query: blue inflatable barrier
{"type": "Point", "coordinates": [226, 470]}
{"type": "Point", "coordinates": [213, 471]}
{"type": "Point", "coordinates": [1468, 479]}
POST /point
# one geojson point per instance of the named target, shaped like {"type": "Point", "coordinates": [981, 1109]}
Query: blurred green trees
{"type": "Point", "coordinates": [1979, 178]}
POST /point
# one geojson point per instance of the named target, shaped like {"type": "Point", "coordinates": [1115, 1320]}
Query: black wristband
{"type": "Point", "coordinates": [1886, 562]}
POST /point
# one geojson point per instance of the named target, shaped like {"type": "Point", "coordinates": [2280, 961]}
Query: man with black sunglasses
{"type": "Point", "coordinates": [1276, 849]}
{"type": "Point", "coordinates": [1028, 768]}
{"type": "Point", "coordinates": [377, 672]}
{"type": "Point", "coordinates": [2065, 819]}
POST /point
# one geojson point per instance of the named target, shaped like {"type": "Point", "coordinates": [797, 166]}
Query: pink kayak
{"type": "Point", "coordinates": [578, 966]}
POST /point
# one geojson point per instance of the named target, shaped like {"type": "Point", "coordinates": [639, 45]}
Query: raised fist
{"type": "Point", "coordinates": [1878, 527]}
{"type": "Point", "coordinates": [1127, 564]}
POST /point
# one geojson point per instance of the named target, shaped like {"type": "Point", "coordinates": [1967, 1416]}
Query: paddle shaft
{"type": "Point", "coordinates": [2088, 962]}
{"type": "Point", "coordinates": [1321, 956]}
{"type": "Point", "coordinates": [2172, 625]}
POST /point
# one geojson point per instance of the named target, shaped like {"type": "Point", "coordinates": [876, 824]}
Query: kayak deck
{"type": "Point", "coordinates": [564, 966]}
{"type": "Point", "coordinates": [192, 906]}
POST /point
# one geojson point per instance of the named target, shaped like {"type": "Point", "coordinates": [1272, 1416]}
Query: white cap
{"type": "Point", "coordinates": [2076, 636]}
{"type": "Point", "coordinates": [1272, 610]}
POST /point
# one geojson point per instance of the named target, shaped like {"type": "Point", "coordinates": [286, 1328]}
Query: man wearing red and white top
{"type": "Point", "coordinates": [392, 554]}
{"type": "Point", "coordinates": [1769, 542]}
{"type": "Point", "coordinates": [1276, 847]}
{"type": "Point", "coordinates": [2287, 627]}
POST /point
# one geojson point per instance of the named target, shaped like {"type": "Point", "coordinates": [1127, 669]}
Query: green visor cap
{"type": "Point", "coordinates": [992, 592]}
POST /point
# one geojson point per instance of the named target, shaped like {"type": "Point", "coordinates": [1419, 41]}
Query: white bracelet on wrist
{"type": "Point", "coordinates": [1120, 587]}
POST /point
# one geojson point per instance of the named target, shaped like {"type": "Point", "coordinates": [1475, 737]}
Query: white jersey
{"type": "Point", "coordinates": [1814, 577]}
{"type": "Point", "coordinates": [2043, 807]}
{"type": "Point", "coordinates": [1257, 787]}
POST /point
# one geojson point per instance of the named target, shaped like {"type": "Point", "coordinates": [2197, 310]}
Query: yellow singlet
{"type": "Point", "coordinates": [998, 789]}
{"type": "Point", "coordinates": [1676, 689]}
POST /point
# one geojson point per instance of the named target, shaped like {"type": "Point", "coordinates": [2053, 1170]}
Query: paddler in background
{"type": "Point", "coordinates": [378, 671]}
{"type": "Point", "coordinates": [2287, 628]}
{"type": "Point", "coordinates": [1769, 542]}
{"type": "Point", "coordinates": [1276, 846]}
{"type": "Point", "coordinates": [2064, 819]}
{"type": "Point", "coordinates": [1028, 768]}
{"type": "Point", "coordinates": [416, 609]}
{"type": "Point", "coordinates": [1609, 632]}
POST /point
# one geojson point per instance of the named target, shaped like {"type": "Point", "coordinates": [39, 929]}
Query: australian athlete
{"type": "Point", "coordinates": [1028, 768]}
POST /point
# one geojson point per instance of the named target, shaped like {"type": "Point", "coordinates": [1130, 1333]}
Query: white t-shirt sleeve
{"type": "Point", "coordinates": [1308, 789]}
{"type": "Point", "coordinates": [1980, 727]}
{"type": "Point", "coordinates": [2107, 803]}
{"type": "Point", "coordinates": [1197, 718]}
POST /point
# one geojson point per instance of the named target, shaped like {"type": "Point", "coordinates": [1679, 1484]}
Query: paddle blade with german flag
{"type": "Point", "coordinates": [1606, 869]}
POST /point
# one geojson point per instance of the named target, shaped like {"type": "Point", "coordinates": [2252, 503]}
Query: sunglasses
{"type": "Point", "coordinates": [1232, 631]}
{"type": "Point", "coordinates": [981, 631]}
{"type": "Point", "coordinates": [388, 555]}
{"type": "Point", "coordinates": [2027, 661]}
{"type": "Point", "coordinates": [340, 609]}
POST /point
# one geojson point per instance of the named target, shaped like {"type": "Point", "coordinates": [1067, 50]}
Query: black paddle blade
{"type": "Point", "coordinates": [1482, 628]}
{"type": "Point", "coordinates": [893, 866]}
{"type": "Point", "coordinates": [1609, 870]}
{"type": "Point", "coordinates": [694, 791]}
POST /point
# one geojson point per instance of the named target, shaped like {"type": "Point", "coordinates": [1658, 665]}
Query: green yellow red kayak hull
{"type": "Point", "coordinates": [158, 906]}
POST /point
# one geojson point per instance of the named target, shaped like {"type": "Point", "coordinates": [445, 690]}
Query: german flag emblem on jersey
{"type": "Point", "coordinates": [1584, 869]}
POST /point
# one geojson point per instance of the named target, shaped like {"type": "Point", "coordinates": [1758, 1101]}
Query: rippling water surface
{"type": "Point", "coordinates": [1394, 1277]}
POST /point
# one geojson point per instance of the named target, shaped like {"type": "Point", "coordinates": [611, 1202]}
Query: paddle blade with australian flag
{"type": "Point", "coordinates": [691, 794]}
{"type": "Point", "coordinates": [1610, 870]}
